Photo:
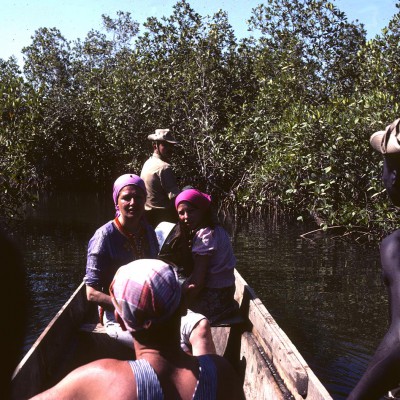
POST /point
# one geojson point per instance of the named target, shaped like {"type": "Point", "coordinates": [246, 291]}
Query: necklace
{"type": "Point", "coordinates": [136, 240]}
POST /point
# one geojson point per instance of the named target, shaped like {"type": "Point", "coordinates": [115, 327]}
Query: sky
{"type": "Point", "coordinates": [19, 19]}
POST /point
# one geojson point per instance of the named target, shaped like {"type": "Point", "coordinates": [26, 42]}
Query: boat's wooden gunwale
{"type": "Point", "coordinates": [44, 356]}
{"type": "Point", "coordinates": [291, 366]}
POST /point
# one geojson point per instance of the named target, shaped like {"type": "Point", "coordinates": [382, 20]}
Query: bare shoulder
{"type": "Point", "coordinates": [390, 246]}
{"type": "Point", "coordinates": [229, 383]}
{"type": "Point", "coordinates": [101, 379]}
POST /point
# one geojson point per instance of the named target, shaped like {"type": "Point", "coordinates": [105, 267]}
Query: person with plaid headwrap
{"type": "Point", "coordinates": [148, 303]}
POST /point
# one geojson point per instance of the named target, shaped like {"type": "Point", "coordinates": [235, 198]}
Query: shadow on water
{"type": "Point", "coordinates": [327, 295]}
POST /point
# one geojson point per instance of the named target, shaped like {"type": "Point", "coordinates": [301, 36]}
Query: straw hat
{"type": "Point", "coordinates": [162, 135]}
{"type": "Point", "coordinates": [387, 141]}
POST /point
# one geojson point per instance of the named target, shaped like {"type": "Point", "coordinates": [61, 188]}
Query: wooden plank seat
{"type": "Point", "coordinates": [230, 321]}
{"type": "Point", "coordinates": [95, 333]}
{"type": "Point", "coordinates": [100, 329]}
{"type": "Point", "coordinates": [226, 336]}
{"type": "Point", "coordinates": [93, 328]}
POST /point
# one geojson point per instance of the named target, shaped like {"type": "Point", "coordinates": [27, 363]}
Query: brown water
{"type": "Point", "coordinates": [326, 294]}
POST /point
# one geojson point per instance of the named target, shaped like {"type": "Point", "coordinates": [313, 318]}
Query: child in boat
{"type": "Point", "coordinates": [203, 254]}
{"type": "Point", "coordinates": [147, 298]}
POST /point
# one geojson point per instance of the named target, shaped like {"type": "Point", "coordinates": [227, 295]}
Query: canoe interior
{"type": "Point", "coordinates": [63, 346]}
{"type": "Point", "coordinates": [267, 362]}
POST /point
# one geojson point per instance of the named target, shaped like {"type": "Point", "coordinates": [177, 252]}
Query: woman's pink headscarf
{"type": "Point", "coordinates": [125, 180]}
{"type": "Point", "coordinates": [195, 197]}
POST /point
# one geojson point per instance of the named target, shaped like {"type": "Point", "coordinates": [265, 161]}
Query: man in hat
{"type": "Point", "coordinates": [147, 299]}
{"type": "Point", "coordinates": [383, 372]}
{"type": "Point", "coordinates": [160, 179]}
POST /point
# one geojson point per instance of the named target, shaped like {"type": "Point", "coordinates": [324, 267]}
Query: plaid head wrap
{"type": "Point", "coordinates": [144, 291]}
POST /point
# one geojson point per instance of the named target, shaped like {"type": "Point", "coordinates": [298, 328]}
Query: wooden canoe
{"type": "Point", "coordinates": [268, 363]}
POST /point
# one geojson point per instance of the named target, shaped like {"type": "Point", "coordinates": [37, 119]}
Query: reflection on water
{"type": "Point", "coordinates": [327, 295]}
{"type": "Point", "coordinates": [55, 238]}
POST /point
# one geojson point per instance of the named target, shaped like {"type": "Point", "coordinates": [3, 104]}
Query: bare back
{"type": "Point", "coordinates": [109, 379]}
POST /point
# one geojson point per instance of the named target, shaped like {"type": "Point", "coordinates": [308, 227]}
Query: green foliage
{"type": "Point", "coordinates": [18, 175]}
{"type": "Point", "coordinates": [278, 120]}
{"type": "Point", "coordinates": [317, 112]}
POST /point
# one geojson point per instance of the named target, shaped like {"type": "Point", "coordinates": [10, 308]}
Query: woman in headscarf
{"type": "Point", "coordinates": [208, 270]}
{"type": "Point", "coordinates": [126, 238]}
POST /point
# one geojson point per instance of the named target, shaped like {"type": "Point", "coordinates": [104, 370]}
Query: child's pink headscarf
{"type": "Point", "coordinates": [195, 197]}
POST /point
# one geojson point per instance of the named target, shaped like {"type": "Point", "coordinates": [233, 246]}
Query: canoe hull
{"type": "Point", "coordinates": [268, 363]}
